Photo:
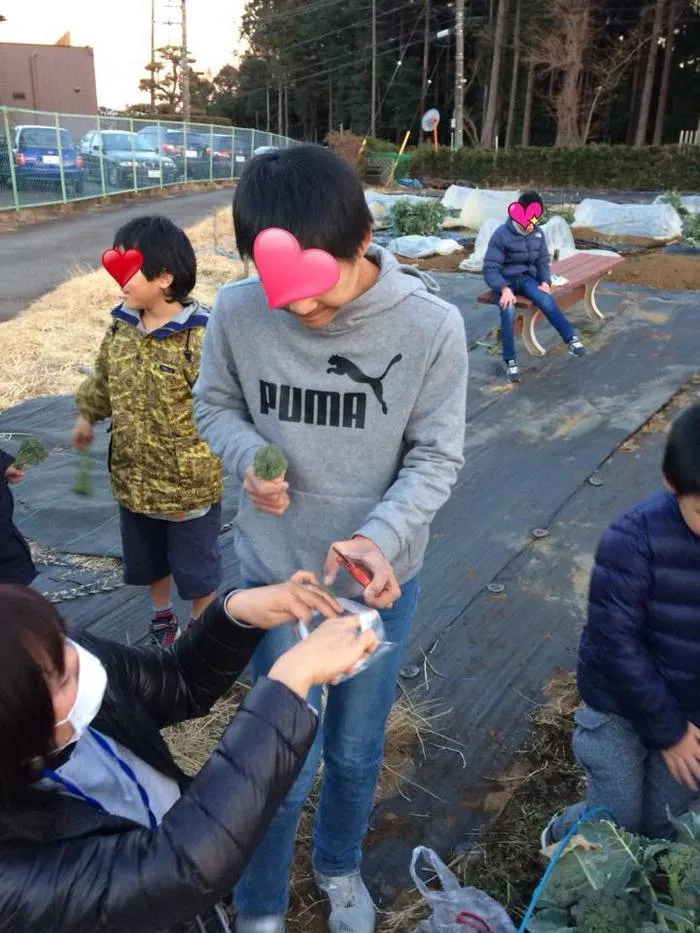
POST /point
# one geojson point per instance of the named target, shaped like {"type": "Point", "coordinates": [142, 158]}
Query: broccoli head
{"type": "Point", "coordinates": [31, 451]}
{"type": "Point", "coordinates": [270, 462]}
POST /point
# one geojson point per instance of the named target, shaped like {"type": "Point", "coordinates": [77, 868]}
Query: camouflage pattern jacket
{"type": "Point", "coordinates": [143, 381]}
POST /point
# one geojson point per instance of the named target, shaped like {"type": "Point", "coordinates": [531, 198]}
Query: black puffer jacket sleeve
{"type": "Point", "coordinates": [144, 881]}
{"type": "Point", "coordinates": [185, 680]}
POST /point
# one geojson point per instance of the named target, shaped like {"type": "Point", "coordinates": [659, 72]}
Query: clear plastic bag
{"type": "Point", "coordinates": [456, 909]}
{"type": "Point", "coordinates": [369, 618]}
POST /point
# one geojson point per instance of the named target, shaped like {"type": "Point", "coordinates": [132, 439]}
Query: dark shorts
{"type": "Point", "coordinates": [153, 548]}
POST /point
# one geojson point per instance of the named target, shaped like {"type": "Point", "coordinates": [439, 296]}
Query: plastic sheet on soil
{"type": "Point", "coordinates": [656, 221]}
{"type": "Point", "coordinates": [477, 205]}
{"type": "Point", "coordinates": [421, 247]}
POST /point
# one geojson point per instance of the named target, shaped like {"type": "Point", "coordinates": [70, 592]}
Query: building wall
{"type": "Point", "coordinates": [48, 77]}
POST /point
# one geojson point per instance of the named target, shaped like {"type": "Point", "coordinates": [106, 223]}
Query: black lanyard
{"type": "Point", "coordinates": [77, 792]}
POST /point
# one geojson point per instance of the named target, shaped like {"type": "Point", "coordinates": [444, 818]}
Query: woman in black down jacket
{"type": "Point", "coordinates": [99, 828]}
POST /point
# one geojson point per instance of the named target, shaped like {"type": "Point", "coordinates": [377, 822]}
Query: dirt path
{"type": "Point", "coordinates": [37, 258]}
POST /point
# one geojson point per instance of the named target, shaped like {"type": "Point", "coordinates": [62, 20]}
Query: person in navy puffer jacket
{"type": "Point", "coordinates": [16, 565]}
{"type": "Point", "coordinates": [517, 263]}
{"type": "Point", "coordinates": [637, 735]}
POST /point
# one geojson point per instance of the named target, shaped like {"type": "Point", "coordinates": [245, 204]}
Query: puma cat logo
{"type": "Point", "coordinates": [341, 366]}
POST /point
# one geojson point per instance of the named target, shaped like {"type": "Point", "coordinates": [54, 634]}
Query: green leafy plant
{"type": "Point", "coordinates": [83, 478]}
{"type": "Point", "coordinates": [269, 462]}
{"type": "Point", "coordinates": [417, 218]}
{"type": "Point", "coordinates": [691, 222]}
{"type": "Point", "coordinates": [609, 880]}
{"type": "Point", "coordinates": [31, 451]}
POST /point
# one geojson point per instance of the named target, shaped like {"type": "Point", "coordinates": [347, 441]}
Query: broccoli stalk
{"type": "Point", "coordinates": [270, 463]}
{"type": "Point", "coordinates": [31, 451]}
{"type": "Point", "coordinates": [83, 481]}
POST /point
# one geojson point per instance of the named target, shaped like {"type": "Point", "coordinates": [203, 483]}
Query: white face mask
{"type": "Point", "coordinates": [92, 683]}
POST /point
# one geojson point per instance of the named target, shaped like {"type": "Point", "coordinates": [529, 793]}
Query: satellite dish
{"type": "Point", "coordinates": [430, 120]}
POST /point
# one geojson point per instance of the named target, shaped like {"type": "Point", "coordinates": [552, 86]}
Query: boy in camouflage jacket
{"type": "Point", "coordinates": [164, 476]}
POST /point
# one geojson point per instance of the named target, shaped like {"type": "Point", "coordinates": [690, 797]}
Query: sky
{"type": "Point", "coordinates": [119, 32]}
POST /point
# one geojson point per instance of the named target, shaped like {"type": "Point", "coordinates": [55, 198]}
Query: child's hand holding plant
{"type": "Point", "coordinates": [265, 481]}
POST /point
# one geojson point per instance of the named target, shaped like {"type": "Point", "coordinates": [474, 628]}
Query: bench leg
{"type": "Point", "coordinates": [532, 344]}
{"type": "Point", "coordinates": [589, 302]}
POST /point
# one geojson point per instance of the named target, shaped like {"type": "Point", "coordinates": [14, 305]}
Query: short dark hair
{"type": "Point", "coordinates": [32, 641]}
{"type": "Point", "coordinates": [307, 190]}
{"type": "Point", "coordinates": [530, 197]}
{"type": "Point", "coordinates": [165, 248]}
{"type": "Point", "coordinates": [681, 465]}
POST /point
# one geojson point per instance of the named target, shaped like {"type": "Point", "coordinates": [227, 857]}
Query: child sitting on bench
{"type": "Point", "coordinates": [517, 263]}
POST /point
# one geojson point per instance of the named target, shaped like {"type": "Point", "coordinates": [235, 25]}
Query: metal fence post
{"type": "Point", "coordinates": [133, 154]}
{"type": "Point", "coordinates": [60, 159]}
{"type": "Point", "coordinates": [211, 152]}
{"type": "Point", "coordinates": [102, 159]}
{"type": "Point", "coordinates": [252, 143]}
{"type": "Point", "coordinates": [233, 152]}
{"type": "Point", "coordinates": [184, 148]}
{"type": "Point", "coordinates": [10, 158]}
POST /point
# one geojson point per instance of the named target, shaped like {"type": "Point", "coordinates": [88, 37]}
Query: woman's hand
{"type": "Point", "coordinates": [267, 607]}
{"type": "Point", "coordinates": [331, 650]}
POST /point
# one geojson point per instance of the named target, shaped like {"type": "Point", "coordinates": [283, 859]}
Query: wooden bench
{"type": "Point", "coordinates": [584, 273]}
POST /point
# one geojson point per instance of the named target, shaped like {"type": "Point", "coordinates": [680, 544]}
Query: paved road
{"type": "Point", "coordinates": [37, 258]}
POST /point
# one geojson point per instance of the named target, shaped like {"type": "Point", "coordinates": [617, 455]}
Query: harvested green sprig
{"type": "Point", "coordinates": [31, 451]}
{"type": "Point", "coordinates": [270, 463]}
{"type": "Point", "coordinates": [83, 479]}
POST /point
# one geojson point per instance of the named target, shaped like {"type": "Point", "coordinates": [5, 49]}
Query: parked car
{"type": "Point", "coordinates": [38, 158]}
{"type": "Point", "coordinates": [223, 154]}
{"type": "Point", "coordinates": [122, 154]}
{"type": "Point", "coordinates": [184, 146]}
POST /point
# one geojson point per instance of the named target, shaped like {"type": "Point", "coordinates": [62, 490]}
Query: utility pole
{"type": "Point", "coordinates": [426, 58]}
{"type": "Point", "coordinates": [153, 57]}
{"type": "Point", "coordinates": [267, 106]}
{"type": "Point", "coordinates": [185, 67]}
{"type": "Point", "coordinates": [459, 75]}
{"type": "Point", "coordinates": [373, 105]}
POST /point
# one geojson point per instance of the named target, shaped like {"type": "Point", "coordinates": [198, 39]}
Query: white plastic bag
{"type": "Point", "coordinates": [420, 247]}
{"type": "Point", "coordinates": [484, 204]}
{"type": "Point", "coordinates": [655, 221]}
{"type": "Point", "coordinates": [559, 237]}
{"type": "Point", "coordinates": [456, 909]}
{"type": "Point", "coordinates": [456, 197]}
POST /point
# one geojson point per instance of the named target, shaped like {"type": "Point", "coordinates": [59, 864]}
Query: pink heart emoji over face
{"type": "Point", "coordinates": [525, 216]}
{"type": "Point", "coordinates": [289, 273]}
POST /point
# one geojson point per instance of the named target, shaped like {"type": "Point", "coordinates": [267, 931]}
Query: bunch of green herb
{"type": "Point", "coordinates": [270, 463]}
{"type": "Point", "coordinates": [83, 478]}
{"type": "Point", "coordinates": [417, 218]}
{"type": "Point", "coordinates": [31, 451]}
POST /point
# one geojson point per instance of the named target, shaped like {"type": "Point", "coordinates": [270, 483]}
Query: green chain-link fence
{"type": "Point", "coordinates": [51, 158]}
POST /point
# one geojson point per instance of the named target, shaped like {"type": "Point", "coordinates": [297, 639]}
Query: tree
{"type": "Point", "coordinates": [164, 79]}
{"type": "Point", "coordinates": [514, 76]}
{"type": "Point", "coordinates": [666, 73]}
{"type": "Point", "coordinates": [647, 90]}
{"type": "Point", "coordinates": [489, 128]}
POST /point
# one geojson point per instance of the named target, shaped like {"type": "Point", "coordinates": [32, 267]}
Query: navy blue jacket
{"type": "Point", "coordinates": [511, 254]}
{"type": "Point", "coordinates": [639, 655]}
{"type": "Point", "coordinates": [15, 558]}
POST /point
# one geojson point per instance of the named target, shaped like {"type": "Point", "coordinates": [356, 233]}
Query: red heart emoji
{"type": "Point", "coordinates": [524, 215]}
{"type": "Point", "coordinates": [287, 272]}
{"type": "Point", "coordinates": [122, 266]}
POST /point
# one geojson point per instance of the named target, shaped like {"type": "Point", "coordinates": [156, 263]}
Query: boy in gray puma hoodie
{"type": "Point", "coordinates": [364, 389]}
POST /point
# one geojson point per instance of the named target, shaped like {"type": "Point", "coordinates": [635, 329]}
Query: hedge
{"type": "Point", "coordinates": [648, 168]}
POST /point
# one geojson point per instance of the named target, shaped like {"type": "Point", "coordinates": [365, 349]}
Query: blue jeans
{"type": "Point", "coordinates": [351, 739]}
{"type": "Point", "coordinates": [528, 287]}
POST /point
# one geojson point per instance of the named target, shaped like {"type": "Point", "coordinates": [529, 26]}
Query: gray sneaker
{"type": "Point", "coordinates": [347, 904]}
{"type": "Point", "coordinates": [260, 925]}
{"type": "Point", "coordinates": [576, 348]}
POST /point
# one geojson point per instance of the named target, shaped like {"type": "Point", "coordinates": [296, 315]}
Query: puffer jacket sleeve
{"type": "Point", "coordinates": [6, 460]}
{"type": "Point", "coordinates": [617, 617]}
{"type": "Point", "coordinates": [494, 261]}
{"type": "Point", "coordinates": [92, 398]}
{"type": "Point", "coordinates": [544, 273]}
{"type": "Point", "coordinates": [183, 681]}
{"type": "Point", "coordinates": [144, 881]}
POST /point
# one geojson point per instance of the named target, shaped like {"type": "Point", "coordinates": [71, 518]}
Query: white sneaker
{"type": "Point", "coordinates": [260, 925]}
{"type": "Point", "coordinates": [348, 904]}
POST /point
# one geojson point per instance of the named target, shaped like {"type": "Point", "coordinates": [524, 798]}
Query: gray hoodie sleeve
{"type": "Point", "coordinates": [435, 439]}
{"type": "Point", "coordinates": [220, 410]}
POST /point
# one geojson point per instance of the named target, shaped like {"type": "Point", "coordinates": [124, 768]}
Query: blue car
{"type": "Point", "coordinates": [38, 160]}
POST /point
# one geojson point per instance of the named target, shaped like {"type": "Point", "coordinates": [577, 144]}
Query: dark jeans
{"type": "Point", "coordinates": [351, 741]}
{"type": "Point", "coordinates": [528, 287]}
